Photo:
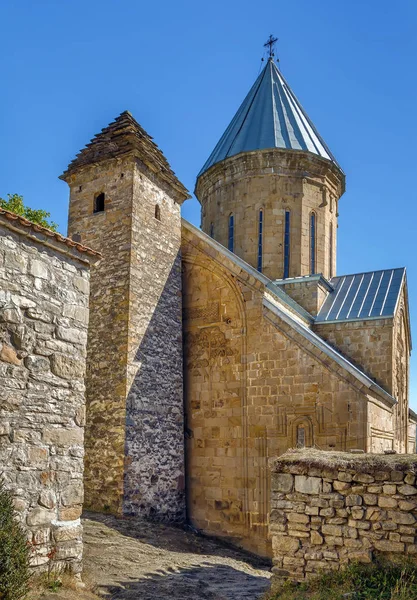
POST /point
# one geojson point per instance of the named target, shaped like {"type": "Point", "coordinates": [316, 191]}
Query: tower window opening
{"type": "Point", "coordinates": [157, 212]}
{"type": "Point", "coordinates": [287, 241]}
{"type": "Point", "coordinates": [301, 437]}
{"type": "Point", "coordinates": [99, 203]}
{"type": "Point", "coordinates": [331, 251]}
{"type": "Point", "coordinates": [212, 230]}
{"type": "Point", "coordinates": [312, 243]}
{"type": "Point", "coordinates": [231, 236]}
{"type": "Point", "coordinates": [260, 239]}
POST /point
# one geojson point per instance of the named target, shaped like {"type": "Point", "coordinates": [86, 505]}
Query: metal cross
{"type": "Point", "coordinates": [271, 43]}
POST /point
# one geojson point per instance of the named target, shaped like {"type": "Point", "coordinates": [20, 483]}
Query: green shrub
{"type": "Point", "coordinates": [14, 552]}
{"type": "Point", "coordinates": [381, 580]}
{"type": "Point", "coordinates": [14, 203]}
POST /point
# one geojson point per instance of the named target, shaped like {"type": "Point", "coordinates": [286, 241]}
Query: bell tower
{"type": "Point", "coordinates": [270, 189]}
{"type": "Point", "coordinates": [125, 202]}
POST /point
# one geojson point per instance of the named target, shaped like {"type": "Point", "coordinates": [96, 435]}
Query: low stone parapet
{"type": "Point", "coordinates": [331, 508]}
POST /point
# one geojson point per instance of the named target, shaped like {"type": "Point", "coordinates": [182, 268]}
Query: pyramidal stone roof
{"type": "Point", "coordinates": [269, 117]}
{"type": "Point", "coordinates": [124, 135]}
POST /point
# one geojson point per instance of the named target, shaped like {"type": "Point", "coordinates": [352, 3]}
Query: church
{"type": "Point", "coordinates": [212, 350]}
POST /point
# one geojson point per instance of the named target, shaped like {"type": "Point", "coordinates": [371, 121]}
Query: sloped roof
{"type": "Point", "coordinates": [122, 136]}
{"type": "Point", "coordinates": [362, 296]}
{"type": "Point", "coordinates": [269, 117]}
{"type": "Point", "coordinates": [277, 301]}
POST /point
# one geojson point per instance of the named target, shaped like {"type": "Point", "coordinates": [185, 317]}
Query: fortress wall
{"type": "Point", "coordinates": [44, 287]}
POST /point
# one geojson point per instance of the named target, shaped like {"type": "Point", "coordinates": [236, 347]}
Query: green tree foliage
{"type": "Point", "coordinates": [15, 204]}
{"type": "Point", "coordinates": [14, 552]}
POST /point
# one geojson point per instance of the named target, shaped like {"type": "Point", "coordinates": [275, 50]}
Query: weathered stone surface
{"type": "Point", "coordinates": [389, 546]}
{"type": "Point", "coordinates": [67, 366]}
{"type": "Point", "coordinates": [354, 500]}
{"type": "Point", "coordinates": [308, 485]}
{"type": "Point", "coordinates": [39, 432]}
{"type": "Point", "coordinates": [387, 502]}
{"type": "Point", "coordinates": [283, 482]}
{"type": "Point", "coordinates": [316, 538]}
{"type": "Point", "coordinates": [285, 544]}
{"type": "Point", "coordinates": [351, 523]}
{"type": "Point", "coordinates": [134, 460]}
{"type": "Point", "coordinates": [39, 516]}
{"type": "Point", "coordinates": [407, 490]}
{"type": "Point", "coordinates": [341, 486]}
{"type": "Point", "coordinates": [404, 518]}
{"type": "Point", "coordinates": [9, 355]}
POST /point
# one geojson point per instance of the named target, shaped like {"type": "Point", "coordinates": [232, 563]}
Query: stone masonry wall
{"type": "Point", "coordinates": [43, 332]}
{"type": "Point", "coordinates": [253, 389]}
{"type": "Point", "coordinates": [328, 509]}
{"type": "Point", "coordinates": [275, 181]}
{"type": "Point", "coordinates": [368, 344]}
{"type": "Point", "coordinates": [134, 431]}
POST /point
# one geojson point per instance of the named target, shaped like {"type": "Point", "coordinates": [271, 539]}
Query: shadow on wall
{"type": "Point", "coordinates": [204, 582]}
{"type": "Point", "coordinates": [154, 443]}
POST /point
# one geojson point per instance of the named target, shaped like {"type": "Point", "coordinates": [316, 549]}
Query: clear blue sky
{"type": "Point", "coordinates": [67, 68]}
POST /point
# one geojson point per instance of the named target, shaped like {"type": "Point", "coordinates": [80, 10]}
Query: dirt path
{"type": "Point", "coordinates": [134, 560]}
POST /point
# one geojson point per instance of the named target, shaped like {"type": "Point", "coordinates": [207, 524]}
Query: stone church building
{"type": "Point", "coordinates": [210, 351]}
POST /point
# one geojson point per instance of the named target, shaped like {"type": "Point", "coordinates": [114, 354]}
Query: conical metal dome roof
{"type": "Point", "coordinates": [269, 117]}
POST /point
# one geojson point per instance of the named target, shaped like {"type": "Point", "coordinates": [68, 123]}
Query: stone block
{"type": "Point", "coordinates": [298, 518]}
{"type": "Point", "coordinates": [389, 546]}
{"type": "Point", "coordinates": [67, 367]}
{"type": "Point", "coordinates": [308, 485]}
{"type": "Point", "coordinates": [354, 500]}
{"type": "Point", "coordinates": [341, 486]}
{"type": "Point", "coordinates": [60, 436]}
{"type": "Point", "coordinates": [47, 499]}
{"type": "Point", "coordinates": [402, 518]}
{"type": "Point", "coordinates": [387, 502]}
{"type": "Point", "coordinates": [9, 355]}
{"type": "Point", "coordinates": [39, 517]}
{"type": "Point", "coordinates": [282, 482]}
{"type": "Point", "coordinates": [285, 544]}
{"type": "Point", "coordinates": [64, 534]}
{"type": "Point", "coordinates": [334, 530]}
{"type": "Point", "coordinates": [316, 538]}
{"type": "Point", "coordinates": [407, 490]}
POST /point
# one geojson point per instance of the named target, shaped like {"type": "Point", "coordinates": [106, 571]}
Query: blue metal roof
{"type": "Point", "coordinates": [269, 117]}
{"type": "Point", "coordinates": [362, 296]}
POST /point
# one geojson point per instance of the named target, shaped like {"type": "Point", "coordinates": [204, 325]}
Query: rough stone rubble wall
{"type": "Point", "coordinates": [323, 517]}
{"type": "Point", "coordinates": [135, 433]}
{"type": "Point", "coordinates": [43, 323]}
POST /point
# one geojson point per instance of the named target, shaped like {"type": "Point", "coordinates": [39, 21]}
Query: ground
{"type": "Point", "coordinates": [129, 559]}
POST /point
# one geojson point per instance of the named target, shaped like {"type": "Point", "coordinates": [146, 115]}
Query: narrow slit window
{"type": "Point", "coordinates": [301, 437]}
{"type": "Point", "coordinates": [331, 251]}
{"type": "Point", "coordinates": [99, 203]}
{"type": "Point", "coordinates": [312, 243]}
{"type": "Point", "coordinates": [212, 230]}
{"type": "Point", "coordinates": [287, 224]}
{"type": "Point", "coordinates": [231, 236]}
{"type": "Point", "coordinates": [260, 239]}
{"type": "Point", "coordinates": [157, 212]}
